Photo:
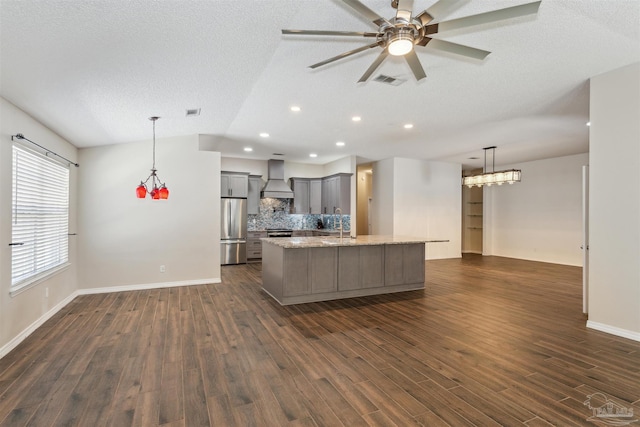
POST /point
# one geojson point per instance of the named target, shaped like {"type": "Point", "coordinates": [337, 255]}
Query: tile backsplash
{"type": "Point", "coordinates": [274, 213]}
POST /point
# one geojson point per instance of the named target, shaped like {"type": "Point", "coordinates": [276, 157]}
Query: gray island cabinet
{"type": "Point", "coordinates": [308, 269]}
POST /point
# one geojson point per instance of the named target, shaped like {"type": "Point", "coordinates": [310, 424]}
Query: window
{"type": "Point", "coordinates": [39, 217]}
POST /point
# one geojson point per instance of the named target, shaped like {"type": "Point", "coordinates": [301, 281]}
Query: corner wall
{"type": "Point", "coordinates": [124, 240]}
{"type": "Point", "coordinates": [22, 313]}
{"type": "Point", "coordinates": [419, 198]}
{"type": "Point", "coordinates": [540, 218]}
{"type": "Point", "coordinates": [614, 198]}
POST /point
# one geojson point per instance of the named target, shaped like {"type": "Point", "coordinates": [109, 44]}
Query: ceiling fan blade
{"type": "Point", "coordinates": [367, 13]}
{"type": "Point", "coordinates": [414, 64]}
{"type": "Point", "coordinates": [436, 9]}
{"type": "Point", "coordinates": [328, 33]}
{"type": "Point", "coordinates": [404, 10]}
{"type": "Point", "coordinates": [493, 16]}
{"type": "Point", "coordinates": [373, 66]}
{"type": "Point", "coordinates": [458, 49]}
{"type": "Point", "coordinates": [343, 55]}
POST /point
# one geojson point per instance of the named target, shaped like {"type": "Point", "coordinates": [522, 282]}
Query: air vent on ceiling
{"type": "Point", "coordinates": [278, 154]}
{"type": "Point", "coordinates": [192, 112]}
{"type": "Point", "coordinates": [389, 80]}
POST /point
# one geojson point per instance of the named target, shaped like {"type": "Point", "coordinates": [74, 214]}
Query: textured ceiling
{"type": "Point", "coordinates": [94, 71]}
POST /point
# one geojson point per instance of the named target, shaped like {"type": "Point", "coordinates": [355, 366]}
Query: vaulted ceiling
{"type": "Point", "coordinates": [94, 71]}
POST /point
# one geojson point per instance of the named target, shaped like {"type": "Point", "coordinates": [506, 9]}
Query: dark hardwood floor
{"type": "Point", "coordinates": [490, 341]}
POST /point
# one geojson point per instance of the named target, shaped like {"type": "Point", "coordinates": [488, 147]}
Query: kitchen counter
{"type": "Point", "coordinates": [308, 269]}
{"type": "Point", "coordinates": [313, 230]}
{"type": "Point", "coordinates": [328, 241]}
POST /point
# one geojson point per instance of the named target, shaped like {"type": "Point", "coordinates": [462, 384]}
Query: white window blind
{"type": "Point", "coordinates": [40, 217]}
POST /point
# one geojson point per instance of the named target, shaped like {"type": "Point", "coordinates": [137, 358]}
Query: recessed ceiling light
{"type": "Point", "coordinates": [313, 155]}
{"type": "Point", "coordinates": [356, 118]}
{"type": "Point", "coordinates": [264, 135]}
{"type": "Point", "coordinates": [295, 108]}
{"type": "Point", "coordinates": [340, 144]}
{"type": "Point", "coordinates": [588, 123]}
{"type": "Point", "coordinates": [408, 126]}
{"type": "Point", "coordinates": [248, 149]}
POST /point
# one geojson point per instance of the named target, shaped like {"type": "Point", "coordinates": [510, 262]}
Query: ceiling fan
{"type": "Point", "coordinates": [398, 36]}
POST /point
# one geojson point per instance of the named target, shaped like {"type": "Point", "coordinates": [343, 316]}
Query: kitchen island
{"type": "Point", "coordinates": [309, 269]}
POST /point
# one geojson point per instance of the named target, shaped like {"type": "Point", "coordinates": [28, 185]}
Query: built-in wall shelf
{"type": "Point", "coordinates": [472, 219]}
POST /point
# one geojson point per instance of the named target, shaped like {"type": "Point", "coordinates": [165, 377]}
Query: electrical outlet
{"type": "Point", "coordinates": [162, 269]}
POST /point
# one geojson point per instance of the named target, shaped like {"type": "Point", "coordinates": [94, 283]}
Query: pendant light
{"type": "Point", "coordinates": [489, 178]}
{"type": "Point", "coordinates": [158, 189]}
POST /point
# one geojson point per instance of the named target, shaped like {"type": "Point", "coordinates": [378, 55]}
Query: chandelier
{"type": "Point", "coordinates": [158, 189]}
{"type": "Point", "coordinates": [489, 178]}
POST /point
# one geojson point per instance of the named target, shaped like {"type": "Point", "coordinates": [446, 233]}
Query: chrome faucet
{"type": "Point", "coordinates": [335, 212]}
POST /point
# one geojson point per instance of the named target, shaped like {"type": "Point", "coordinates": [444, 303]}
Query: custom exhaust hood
{"type": "Point", "coordinates": [276, 187]}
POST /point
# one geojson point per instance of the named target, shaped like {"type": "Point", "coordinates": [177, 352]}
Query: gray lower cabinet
{"type": "Point", "coordinates": [360, 267]}
{"type": "Point", "coordinates": [299, 275]}
{"type": "Point", "coordinates": [310, 271]}
{"type": "Point", "coordinates": [323, 264]}
{"type": "Point", "coordinates": [404, 264]}
{"type": "Point", "coordinates": [254, 245]}
{"type": "Point", "coordinates": [296, 273]}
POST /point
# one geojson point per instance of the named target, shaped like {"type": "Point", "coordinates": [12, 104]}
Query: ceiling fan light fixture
{"type": "Point", "coordinates": [401, 43]}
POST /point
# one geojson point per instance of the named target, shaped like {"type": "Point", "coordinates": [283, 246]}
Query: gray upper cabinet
{"type": "Point", "coordinates": [315, 196]}
{"type": "Point", "coordinates": [253, 197]}
{"type": "Point", "coordinates": [307, 195]}
{"type": "Point", "coordinates": [300, 187]}
{"type": "Point", "coordinates": [234, 184]}
{"type": "Point", "coordinates": [336, 193]}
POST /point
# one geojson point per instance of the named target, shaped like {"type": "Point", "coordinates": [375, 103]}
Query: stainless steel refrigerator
{"type": "Point", "coordinates": [233, 232]}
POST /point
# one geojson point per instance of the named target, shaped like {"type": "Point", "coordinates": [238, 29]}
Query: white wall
{"type": "Point", "coordinates": [614, 197]}
{"type": "Point", "coordinates": [124, 240]}
{"type": "Point", "coordinates": [540, 218]}
{"type": "Point", "coordinates": [343, 165]}
{"type": "Point", "coordinates": [419, 198]}
{"type": "Point", "coordinates": [259, 167]}
{"type": "Point", "coordinates": [22, 312]}
{"type": "Point", "coordinates": [382, 202]}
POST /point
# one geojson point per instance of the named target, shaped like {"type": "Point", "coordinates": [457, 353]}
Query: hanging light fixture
{"type": "Point", "coordinates": [158, 189]}
{"type": "Point", "coordinates": [489, 178]}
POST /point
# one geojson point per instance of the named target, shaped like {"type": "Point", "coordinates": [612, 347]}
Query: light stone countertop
{"type": "Point", "coordinates": [330, 241]}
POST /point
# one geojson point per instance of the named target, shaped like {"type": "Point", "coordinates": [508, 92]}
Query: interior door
{"type": "Point", "coordinates": [585, 239]}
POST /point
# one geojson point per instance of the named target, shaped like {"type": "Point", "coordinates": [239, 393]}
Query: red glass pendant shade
{"type": "Point", "coordinates": [163, 192]}
{"type": "Point", "coordinates": [141, 191]}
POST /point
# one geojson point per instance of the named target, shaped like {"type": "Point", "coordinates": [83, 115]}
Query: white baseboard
{"type": "Point", "coordinates": [624, 333]}
{"type": "Point", "coordinates": [124, 288]}
{"type": "Point", "coordinates": [5, 349]}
